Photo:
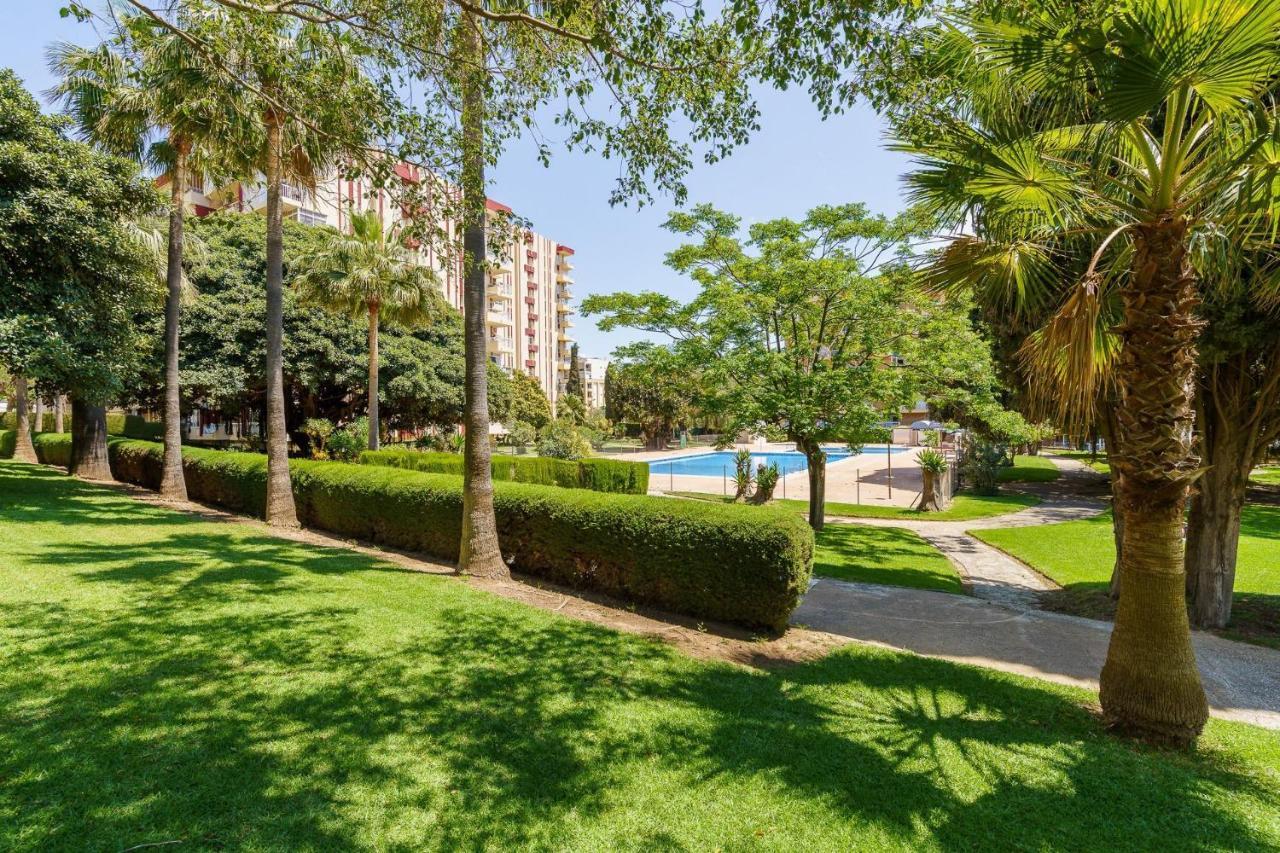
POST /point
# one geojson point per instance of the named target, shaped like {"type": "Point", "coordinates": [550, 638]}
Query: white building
{"type": "Point", "coordinates": [529, 313]}
{"type": "Point", "coordinates": [593, 370]}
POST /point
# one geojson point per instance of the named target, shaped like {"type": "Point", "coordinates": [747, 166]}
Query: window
{"type": "Point", "coordinates": [311, 217]}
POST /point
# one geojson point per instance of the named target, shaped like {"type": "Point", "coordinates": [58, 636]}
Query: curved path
{"type": "Point", "coordinates": [1000, 627]}
{"type": "Point", "coordinates": [988, 572]}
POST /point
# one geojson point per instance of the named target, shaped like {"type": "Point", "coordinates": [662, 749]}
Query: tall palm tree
{"type": "Point", "coordinates": [151, 96]}
{"type": "Point", "coordinates": [1152, 133]}
{"type": "Point", "coordinates": [370, 273]}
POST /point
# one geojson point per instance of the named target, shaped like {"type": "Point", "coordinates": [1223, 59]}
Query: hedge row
{"type": "Point", "coordinates": [729, 563]}
{"type": "Point", "coordinates": [130, 426]}
{"type": "Point", "coordinates": [8, 443]}
{"type": "Point", "coordinates": [598, 475]}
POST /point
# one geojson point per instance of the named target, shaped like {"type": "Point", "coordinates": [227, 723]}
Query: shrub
{"type": "Point", "coordinates": [131, 426]}
{"type": "Point", "coordinates": [560, 439]}
{"type": "Point", "coordinates": [766, 482]}
{"type": "Point", "coordinates": [521, 434]}
{"type": "Point", "coordinates": [598, 475]}
{"type": "Point", "coordinates": [347, 442]}
{"type": "Point", "coordinates": [318, 430]}
{"type": "Point", "coordinates": [53, 448]}
{"type": "Point", "coordinates": [8, 443]}
{"type": "Point", "coordinates": [932, 461]}
{"type": "Point", "coordinates": [981, 465]}
{"type": "Point", "coordinates": [734, 564]}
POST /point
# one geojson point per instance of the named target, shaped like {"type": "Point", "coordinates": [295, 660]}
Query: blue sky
{"type": "Point", "coordinates": [795, 162]}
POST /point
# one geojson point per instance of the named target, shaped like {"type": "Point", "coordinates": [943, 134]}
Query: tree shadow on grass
{"type": "Point", "coordinates": [229, 692]}
{"type": "Point", "coordinates": [38, 493]}
{"type": "Point", "coordinates": [883, 555]}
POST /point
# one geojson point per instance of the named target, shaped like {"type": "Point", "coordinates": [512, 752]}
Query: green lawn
{"type": "Point", "coordinates": [1029, 469]}
{"type": "Point", "coordinates": [964, 507]}
{"type": "Point", "coordinates": [887, 555]}
{"type": "Point", "coordinates": [1266, 476]}
{"type": "Point", "coordinates": [167, 679]}
{"type": "Point", "coordinates": [1079, 555]}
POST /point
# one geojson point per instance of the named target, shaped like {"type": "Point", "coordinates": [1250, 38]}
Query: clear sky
{"type": "Point", "coordinates": [795, 162]}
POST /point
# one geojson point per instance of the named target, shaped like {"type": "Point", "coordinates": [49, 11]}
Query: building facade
{"type": "Point", "coordinates": [593, 370]}
{"type": "Point", "coordinates": [528, 304]}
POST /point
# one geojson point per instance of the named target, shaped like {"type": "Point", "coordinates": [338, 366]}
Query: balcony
{"type": "Point", "coordinates": [502, 343]}
{"type": "Point", "coordinates": [501, 287]}
{"type": "Point", "coordinates": [506, 362]}
{"type": "Point", "coordinates": [501, 318]}
{"type": "Point", "coordinates": [563, 308]}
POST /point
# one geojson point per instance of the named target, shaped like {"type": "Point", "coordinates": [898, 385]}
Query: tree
{"type": "Point", "coordinates": [809, 327]}
{"type": "Point", "coordinates": [370, 273]}
{"type": "Point", "coordinates": [120, 94]}
{"type": "Point", "coordinates": [675, 77]}
{"type": "Point", "coordinates": [1175, 154]}
{"type": "Point", "coordinates": [75, 275]}
{"type": "Point", "coordinates": [528, 402]}
{"type": "Point", "coordinates": [650, 386]}
{"type": "Point", "coordinates": [573, 385]}
{"type": "Point", "coordinates": [572, 409]}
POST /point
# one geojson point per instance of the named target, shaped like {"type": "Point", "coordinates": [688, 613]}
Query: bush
{"type": "Point", "coordinates": [560, 439]}
{"type": "Point", "coordinates": [8, 443]}
{"type": "Point", "coordinates": [598, 475]}
{"type": "Point", "coordinates": [980, 467]}
{"type": "Point", "coordinates": [130, 426]}
{"type": "Point", "coordinates": [53, 448]}
{"type": "Point", "coordinates": [347, 443]}
{"type": "Point", "coordinates": [734, 564]}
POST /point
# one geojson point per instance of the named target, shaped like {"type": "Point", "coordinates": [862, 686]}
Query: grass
{"type": "Point", "coordinates": [1266, 476]}
{"type": "Point", "coordinates": [887, 555]}
{"type": "Point", "coordinates": [168, 679]}
{"type": "Point", "coordinates": [1029, 469]}
{"type": "Point", "coordinates": [1079, 555]}
{"type": "Point", "coordinates": [964, 507]}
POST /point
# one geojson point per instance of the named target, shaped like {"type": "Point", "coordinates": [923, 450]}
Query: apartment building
{"type": "Point", "coordinates": [593, 370]}
{"type": "Point", "coordinates": [528, 314]}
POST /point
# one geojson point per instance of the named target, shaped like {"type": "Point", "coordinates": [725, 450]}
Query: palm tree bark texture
{"type": "Point", "coordinates": [374, 427]}
{"type": "Point", "coordinates": [89, 459]}
{"type": "Point", "coordinates": [23, 450]}
{"type": "Point", "coordinates": [479, 553]}
{"type": "Point", "coordinates": [173, 486]}
{"type": "Point", "coordinates": [1150, 686]}
{"type": "Point", "coordinates": [281, 511]}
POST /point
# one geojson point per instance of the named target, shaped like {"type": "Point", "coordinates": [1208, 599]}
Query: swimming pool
{"type": "Point", "coordinates": [720, 462]}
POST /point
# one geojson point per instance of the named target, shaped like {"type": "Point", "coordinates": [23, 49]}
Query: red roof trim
{"type": "Point", "coordinates": [563, 250]}
{"type": "Point", "coordinates": [490, 204]}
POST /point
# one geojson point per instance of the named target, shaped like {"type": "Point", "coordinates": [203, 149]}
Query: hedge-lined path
{"type": "Point", "coordinates": [1242, 681]}
{"type": "Point", "coordinates": [988, 572]}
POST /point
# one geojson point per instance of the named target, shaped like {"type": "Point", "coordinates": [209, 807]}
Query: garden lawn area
{"type": "Point", "coordinates": [1266, 476]}
{"type": "Point", "coordinates": [1079, 555]}
{"type": "Point", "coordinates": [1029, 469]}
{"type": "Point", "coordinates": [964, 507]}
{"type": "Point", "coordinates": [164, 678]}
{"type": "Point", "coordinates": [887, 555]}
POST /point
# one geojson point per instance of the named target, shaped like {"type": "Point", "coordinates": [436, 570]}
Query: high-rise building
{"type": "Point", "coordinates": [528, 311]}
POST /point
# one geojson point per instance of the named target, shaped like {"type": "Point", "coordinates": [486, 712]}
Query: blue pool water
{"type": "Point", "coordinates": [715, 464]}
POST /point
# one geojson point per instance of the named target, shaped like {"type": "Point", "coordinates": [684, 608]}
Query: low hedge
{"type": "Point", "coordinates": [130, 426]}
{"type": "Point", "coordinates": [728, 563]}
{"type": "Point", "coordinates": [598, 475]}
{"type": "Point", "coordinates": [53, 448]}
{"type": "Point", "coordinates": [8, 443]}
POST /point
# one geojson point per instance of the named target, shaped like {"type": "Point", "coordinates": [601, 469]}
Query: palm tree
{"type": "Point", "coordinates": [370, 273]}
{"type": "Point", "coordinates": [24, 450]}
{"type": "Point", "coordinates": [1151, 134]}
{"type": "Point", "coordinates": [152, 81]}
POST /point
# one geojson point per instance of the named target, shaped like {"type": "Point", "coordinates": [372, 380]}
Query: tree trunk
{"type": "Point", "coordinates": [1107, 426]}
{"type": "Point", "coordinates": [37, 423]}
{"type": "Point", "coordinates": [1213, 539]}
{"type": "Point", "coordinates": [816, 461]}
{"type": "Point", "coordinates": [373, 378]}
{"type": "Point", "coordinates": [931, 499]}
{"type": "Point", "coordinates": [173, 485]}
{"type": "Point", "coordinates": [89, 459]}
{"type": "Point", "coordinates": [479, 553]}
{"type": "Point", "coordinates": [1150, 686]}
{"type": "Point", "coordinates": [281, 511]}
{"type": "Point", "coordinates": [59, 407]}
{"type": "Point", "coordinates": [23, 449]}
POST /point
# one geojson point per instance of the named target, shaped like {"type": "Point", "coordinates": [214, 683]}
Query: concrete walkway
{"type": "Point", "coordinates": [989, 573]}
{"type": "Point", "coordinates": [1000, 627]}
{"type": "Point", "coordinates": [1242, 681]}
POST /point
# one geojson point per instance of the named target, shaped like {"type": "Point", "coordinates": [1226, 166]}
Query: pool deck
{"type": "Point", "coordinates": [855, 479]}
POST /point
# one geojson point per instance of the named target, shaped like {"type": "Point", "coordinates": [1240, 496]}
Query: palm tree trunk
{"type": "Point", "coordinates": [23, 449]}
{"type": "Point", "coordinates": [173, 486]}
{"type": "Point", "coordinates": [479, 553]}
{"type": "Point", "coordinates": [374, 431]}
{"type": "Point", "coordinates": [59, 407]}
{"type": "Point", "coordinates": [37, 422]}
{"type": "Point", "coordinates": [89, 459]}
{"type": "Point", "coordinates": [281, 511]}
{"type": "Point", "coordinates": [1150, 686]}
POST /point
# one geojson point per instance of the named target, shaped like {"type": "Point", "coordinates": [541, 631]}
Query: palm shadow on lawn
{"type": "Point", "coordinates": [233, 695]}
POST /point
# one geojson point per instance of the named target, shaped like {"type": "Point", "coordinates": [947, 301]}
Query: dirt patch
{"type": "Point", "coordinates": [699, 639]}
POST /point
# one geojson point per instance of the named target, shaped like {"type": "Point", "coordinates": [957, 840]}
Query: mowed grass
{"type": "Point", "coordinates": [964, 507]}
{"type": "Point", "coordinates": [885, 555]}
{"type": "Point", "coordinates": [1079, 555]}
{"type": "Point", "coordinates": [1029, 469]}
{"type": "Point", "coordinates": [165, 679]}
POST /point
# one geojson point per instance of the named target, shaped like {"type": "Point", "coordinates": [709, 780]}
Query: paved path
{"type": "Point", "coordinates": [988, 572]}
{"type": "Point", "coordinates": [1242, 681]}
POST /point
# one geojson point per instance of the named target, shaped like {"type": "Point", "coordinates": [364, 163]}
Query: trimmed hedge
{"type": "Point", "coordinates": [598, 475]}
{"type": "Point", "coordinates": [130, 426]}
{"type": "Point", "coordinates": [53, 448]}
{"type": "Point", "coordinates": [8, 443]}
{"type": "Point", "coordinates": [729, 563]}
